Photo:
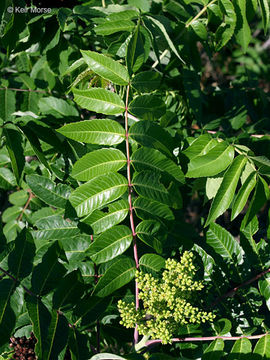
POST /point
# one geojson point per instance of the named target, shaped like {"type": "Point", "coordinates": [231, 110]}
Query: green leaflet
{"type": "Point", "coordinates": [225, 245]}
{"type": "Point", "coordinates": [226, 29]}
{"type": "Point", "coordinates": [77, 64]}
{"type": "Point", "coordinates": [62, 16]}
{"type": "Point", "coordinates": [223, 326]}
{"type": "Point", "coordinates": [147, 107]}
{"type": "Point", "coordinates": [106, 356]}
{"type": "Point", "coordinates": [48, 191]}
{"type": "Point", "coordinates": [143, 5]}
{"type": "Point", "coordinates": [55, 106]}
{"type": "Point", "coordinates": [110, 243]}
{"type": "Point", "coordinates": [11, 213]}
{"type": "Point", "coordinates": [163, 31]}
{"type": "Point", "coordinates": [68, 291]}
{"type": "Point", "coordinates": [40, 319]}
{"type": "Point", "coordinates": [264, 287]}
{"type": "Point", "coordinates": [262, 347]}
{"type": "Point", "coordinates": [146, 209]}
{"type": "Point", "coordinates": [89, 310]}
{"type": "Point", "coordinates": [102, 132]}
{"type": "Point", "coordinates": [212, 163]}
{"type": "Point", "coordinates": [147, 184]}
{"type": "Point", "coordinates": [55, 228]}
{"type": "Point", "coordinates": [7, 316]}
{"type": "Point", "coordinates": [20, 260]}
{"type": "Point", "coordinates": [57, 337]}
{"type": "Point", "coordinates": [191, 82]}
{"type": "Point", "coordinates": [145, 158]}
{"type": "Point", "coordinates": [135, 54]}
{"type": "Point", "coordinates": [251, 248]}
{"type": "Point", "coordinates": [87, 272]}
{"type": "Point", "coordinates": [111, 27]}
{"type": "Point", "coordinates": [242, 30]}
{"type": "Point", "coordinates": [15, 150]}
{"type": "Point", "coordinates": [199, 28]}
{"type": "Point", "coordinates": [260, 196]}
{"type": "Point", "coordinates": [146, 81]}
{"type": "Point", "coordinates": [152, 233]}
{"type": "Point", "coordinates": [44, 278]}
{"type": "Point", "coordinates": [106, 67]}
{"type": "Point", "coordinates": [152, 262]}
{"type": "Point", "coordinates": [116, 276]}
{"type": "Point", "coordinates": [7, 104]}
{"type": "Point", "coordinates": [126, 14]}
{"type": "Point", "coordinates": [264, 5]}
{"type": "Point", "coordinates": [150, 134]}
{"type": "Point", "coordinates": [101, 221]}
{"type": "Point", "coordinates": [98, 192]}
{"type": "Point", "coordinates": [243, 195]}
{"type": "Point", "coordinates": [262, 162]}
{"type": "Point", "coordinates": [214, 351]}
{"type": "Point", "coordinates": [227, 189]}
{"type": "Point", "coordinates": [75, 248]}
{"type": "Point", "coordinates": [200, 146]}
{"type": "Point", "coordinates": [78, 344]}
{"type": "Point", "coordinates": [212, 186]}
{"type": "Point", "coordinates": [99, 100]}
{"type": "Point", "coordinates": [18, 198]}
{"type": "Point", "coordinates": [35, 143]}
{"type": "Point", "coordinates": [98, 162]}
{"type": "Point", "coordinates": [7, 179]}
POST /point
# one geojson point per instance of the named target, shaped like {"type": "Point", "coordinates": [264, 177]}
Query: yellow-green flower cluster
{"type": "Point", "coordinates": [166, 301]}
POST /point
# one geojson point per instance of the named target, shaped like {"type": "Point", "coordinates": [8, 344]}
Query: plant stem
{"type": "Point", "coordinates": [206, 338]}
{"type": "Point", "coordinates": [27, 90]}
{"type": "Point", "coordinates": [131, 218]}
{"type": "Point", "coordinates": [17, 281]}
{"type": "Point", "coordinates": [235, 289]}
{"type": "Point", "coordinates": [161, 57]}
{"type": "Point", "coordinates": [31, 196]}
{"type": "Point", "coordinates": [200, 13]}
{"type": "Point", "coordinates": [98, 322]}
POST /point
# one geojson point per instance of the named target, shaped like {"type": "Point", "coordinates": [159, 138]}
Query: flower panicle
{"type": "Point", "coordinates": [166, 302]}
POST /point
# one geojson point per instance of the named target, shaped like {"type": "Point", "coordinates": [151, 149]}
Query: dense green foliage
{"type": "Point", "coordinates": [116, 118]}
